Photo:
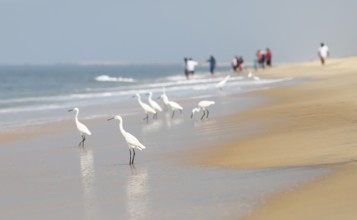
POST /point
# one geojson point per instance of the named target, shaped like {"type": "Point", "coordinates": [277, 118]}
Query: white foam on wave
{"type": "Point", "coordinates": [106, 78]}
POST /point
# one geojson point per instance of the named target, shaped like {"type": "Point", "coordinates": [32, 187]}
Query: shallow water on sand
{"type": "Point", "coordinates": [51, 178]}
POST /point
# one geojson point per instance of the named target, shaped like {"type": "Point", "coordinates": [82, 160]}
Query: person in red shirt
{"type": "Point", "coordinates": [268, 57]}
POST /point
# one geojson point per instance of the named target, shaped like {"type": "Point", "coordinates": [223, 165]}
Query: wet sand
{"type": "Point", "coordinates": [313, 124]}
{"type": "Point", "coordinates": [45, 175]}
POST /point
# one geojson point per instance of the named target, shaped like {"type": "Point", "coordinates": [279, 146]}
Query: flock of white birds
{"type": "Point", "coordinates": [152, 108]}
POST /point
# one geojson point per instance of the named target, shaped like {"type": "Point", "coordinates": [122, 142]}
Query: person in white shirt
{"type": "Point", "coordinates": [191, 64]}
{"type": "Point", "coordinates": [323, 53]}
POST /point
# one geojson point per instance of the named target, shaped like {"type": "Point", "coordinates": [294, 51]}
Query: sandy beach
{"type": "Point", "coordinates": [305, 125]}
{"type": "Point", "coordinates": [290, 156]}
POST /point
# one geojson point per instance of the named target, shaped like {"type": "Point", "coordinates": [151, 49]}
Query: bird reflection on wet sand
{"type": "Point", "coordinates": [88, 182]}
{"type": "Point", "coordinates": [137, 191]}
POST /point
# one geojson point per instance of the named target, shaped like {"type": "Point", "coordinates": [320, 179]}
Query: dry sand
{"type": "Point", "coordinates": [313, 123]}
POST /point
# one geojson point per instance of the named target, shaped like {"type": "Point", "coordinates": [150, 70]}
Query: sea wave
{"type": "Point", "coordinates": [106, 78]}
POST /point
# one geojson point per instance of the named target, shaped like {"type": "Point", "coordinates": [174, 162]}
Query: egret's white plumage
{"type": "Point", "coordinates": [154, 104]}
{"type": "Point", "coordinates": [147, 108]}
{"type": "Point", "coordinates": [174, 106]}
{"type": "Point", "coordinates": [164, 97]}
{"type": "Point", "coordinates": [194, 110]}
{"type": "Point", "coordinates": [131, 140]}
{"type": "Point", "coordinates": [203, 105]}
{"type": "Point", "coordinates": [83, 130]}
{"type": "Point", "coordinates": [221, 84]}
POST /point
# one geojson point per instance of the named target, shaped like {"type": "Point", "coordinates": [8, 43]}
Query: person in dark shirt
{"type": "Point", "coordinates": [212, 64]}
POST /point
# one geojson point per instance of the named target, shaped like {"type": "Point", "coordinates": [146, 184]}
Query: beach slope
{"type": "Point", "coordinates": [310, 124]}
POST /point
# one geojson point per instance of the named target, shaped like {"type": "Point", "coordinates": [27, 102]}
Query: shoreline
{"type": "Point", "coordinates": [309, 124]}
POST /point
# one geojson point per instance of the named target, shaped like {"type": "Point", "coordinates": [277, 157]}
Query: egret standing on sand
{"type": "Point", "coordinates": [175, 106]}
{"type": "Point", "coordinates": [133, 142]}
{"type": "Point", "coordinates": [83, 130]}
{"type": "Point", "coordinates": [203, 105]}
{"type": "Point", "coordinates": [154, 104]}
{"type": "Point", "coordinates": [221, 84]}
{"type": "Point", "coordinates": [164, 97]}
{"type": "Point", "coordinates": [147, 109]}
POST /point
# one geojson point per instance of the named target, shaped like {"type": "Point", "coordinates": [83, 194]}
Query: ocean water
{"type": "Point", "coordinates": [35, 94]}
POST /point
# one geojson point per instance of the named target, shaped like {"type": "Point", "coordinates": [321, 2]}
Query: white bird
{"type": "Point", "coordinates": [203, 105]}
{"type": "Point", "coordinates": [194, 110]}
{"type": "Point", "coordinates": [154, 104]}
{"type": "Point", "coordinates": [174, 106]}
{"type": "Point", "coordinates": [250, 75]}
{"type": "Point", "coordinates": [164, 97]}
{"type": "Point", "coordinates": [131, 140]}
{"type": "Point", "coordinates": [83, 130]}
{"type": "Point", "coordinates": [147, 109]}
{"type": "Point", "coordinates": [221, 84]}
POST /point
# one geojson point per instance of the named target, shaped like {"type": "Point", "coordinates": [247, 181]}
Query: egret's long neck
{"type": "Point", "coordinates": [76, 118]}
{"type": "Point", "coordinates": [150, 96]}
{"type": "Point", "coordinates": [139, 100]}
{"type": "Point", "coordinates": [121, 127]}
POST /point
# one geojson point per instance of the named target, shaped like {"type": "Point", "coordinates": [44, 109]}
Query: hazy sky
{"type": "Point", "coordinates": [62, 31]}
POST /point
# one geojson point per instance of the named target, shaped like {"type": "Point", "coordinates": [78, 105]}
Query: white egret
{"type": "Point", "coordinates": [203, 105]}
{"type": "Point", "coordinates": [174, 106]}
{"type": "Point", "coordinates": [83, 130]}
{"type": "Point", "coordinates": [147, 109]}
{"type": "Point", "coordinates": [164, 97]}
{"type": "Point", "coordinates": [221, 84]}
{"type": "Point", "coordinates": [250, 75]}
{"type": "Point", "coordinates": [154, 104]}
{"type": "Point", "coordinates": [194, 110]}
{"type": "Point", "coordinates": [131, 140]}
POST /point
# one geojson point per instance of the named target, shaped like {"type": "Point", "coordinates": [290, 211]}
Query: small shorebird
{"type": "Point", "coordinates": [147, 108]}
{"type": "Point", "coordinates": [131, 140]}
{"type": "Point", "coordinates": [203, 105]}
{"type": "Point", "coordinates": [83, 130]}
{"type": "Point", "coordinates": [154, 104]}
{"type": "Point", "coordinates": [221, 84]}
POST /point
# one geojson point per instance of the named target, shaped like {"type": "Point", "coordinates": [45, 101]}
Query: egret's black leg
{"type": "Point", "coordinates": [132, 162]}
{"type": "Point", "coordinates": [207, 113]}
{"type": "Point", "coordinates": [173, 113]}
{"type": "Point", "coordinates": [130, 157]}
{"type": "Point", "coordinates": [82, 141]}
{"type": "Point", "coordinates": [203, 115]}
{"type": "Point", "coordinates": [147, 118]}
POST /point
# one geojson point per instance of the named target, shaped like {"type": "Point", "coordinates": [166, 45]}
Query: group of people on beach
{"type": "Point", "coordinates": [263, 59]}
{"type": "Point", "coordinates": [191, 64]}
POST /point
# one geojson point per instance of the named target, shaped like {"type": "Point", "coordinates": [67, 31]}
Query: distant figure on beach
{"type": "Point", "coordinates": [323, 53]}
{"type": "Point", "coordinates": [240, 62]}
{"type": "Point", "coordinates": [259, 57]}
{"type": "Point", "coordinates": [191, 64]}
{"type": "Point", "coordinates": [186, 70]}
{"type": "Point", "coordinates": [234, 64]}
{"type": "Point", "coordinates": [268, 56]}
{"type": "Point", "coordinates": [212, 64]}
{"type": "Point", "coordinates": [256, 64]}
